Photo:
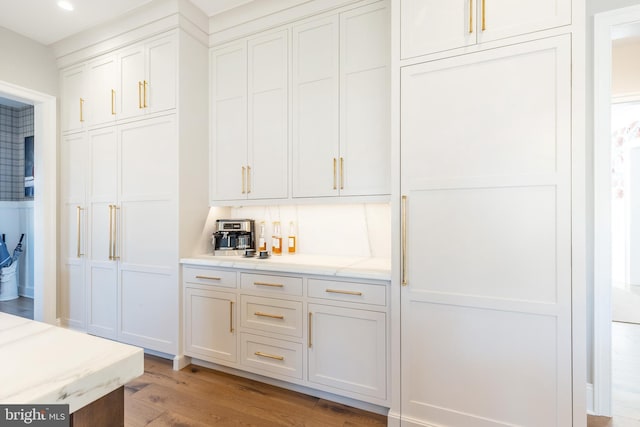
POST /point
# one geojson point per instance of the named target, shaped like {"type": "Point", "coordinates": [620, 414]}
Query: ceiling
{"type": "Point", "coordinates": [46, 23]}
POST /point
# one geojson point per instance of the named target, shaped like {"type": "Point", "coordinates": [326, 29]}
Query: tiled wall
{"type": "Point", "coordinates": [15, 125]}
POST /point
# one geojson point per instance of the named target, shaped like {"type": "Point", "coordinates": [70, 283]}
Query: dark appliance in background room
{"type": "Point", "coordinates": [234, 236]}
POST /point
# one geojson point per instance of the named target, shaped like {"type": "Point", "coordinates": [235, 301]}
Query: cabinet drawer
{"type": "Point", "coordinates": [271, 283]}
{"type": "Point", "coordinates": [271, 355]}
{"type": "Point", "coordinates": [271, 315]}
{"type": "Point", "coordinates": [208, 276]}
{"type": "Point", "coordinates": [364, 293]}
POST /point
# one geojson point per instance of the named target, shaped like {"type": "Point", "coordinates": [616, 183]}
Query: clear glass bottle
{"type": "Point", "coordinates": [262, 240]}
{"type": "Point", "coordinates": [276, 239]}
{"type": "Point", "coordinates": [292, 237]}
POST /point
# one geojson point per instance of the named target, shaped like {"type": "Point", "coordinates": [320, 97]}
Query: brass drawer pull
{"type": "Point", "coordinates": [270, 356]}
{"type": "Point", "coordinates": [231, 317]}
{"type": "Point", "coordinates": [273, 285]}
{"type": "Point", "coordinates": [273, 316]}
{"type": "Point", "coordinates": [208, 278]}
{"type": "Point", "coordinates": [338, 291]}
{"type": "Point", "coordinates": [309, 330]}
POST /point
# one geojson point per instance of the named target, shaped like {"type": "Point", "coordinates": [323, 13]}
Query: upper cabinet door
{"type": "Point", "coordinates": [267, 87]}
{"type": "Point", "coordinates": [74, 98]}
{"type": "Point", "coordinates": [229, 122]}
{"type": "Point", "coordinates": [132, 81]}
{"type": "Point", "coordinates": [315, 108]}
{"type": "Point", "coordinates": [104, 89]}
{"type": "Point", "coordinates": [430, 26]}
{"type": "Point", "coordinates": [160, 83]}
{"type": "Point", "coordinates": [364, 101]}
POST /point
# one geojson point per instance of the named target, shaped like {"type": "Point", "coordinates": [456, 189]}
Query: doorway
{"type": "Point", "coordinates": [616, 343]}
{"type": "Point", "coordinates": [44, 204]}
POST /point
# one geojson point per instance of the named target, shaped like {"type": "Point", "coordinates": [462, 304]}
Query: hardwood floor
{"type": "Point", "coordinates": [21, 306]}
{"type": "Point", "coordinates": [196, 396]}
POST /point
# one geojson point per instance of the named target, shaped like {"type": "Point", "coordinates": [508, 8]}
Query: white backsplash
{"type": "Point", "coordinates": [344, 230]}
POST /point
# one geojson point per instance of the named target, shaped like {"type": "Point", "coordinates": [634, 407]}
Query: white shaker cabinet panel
{"type": "Point", "coordinates": [74, 97]}
{"type": "Point", "coordinates": [104, 89]}
{"type": "Point", "coordinates": [365, 115]}
{"type": "Point", "coordinates": [132, 81]}
{"type": "Point", "coordinates": [229, 122]}
{"type": "Point", "coordinates": [430, 26]}
{"type": "Point", "coordinates": [315, 108]}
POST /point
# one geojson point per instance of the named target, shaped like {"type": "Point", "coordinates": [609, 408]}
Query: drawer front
{"type": "Point", "coordinates": [271, 356]}
{"type": "Point", "coordinates": [364, 293]}
{"type": "Point", "coordinates": [271, 315]}
{"type": "Point", "coordinates": [209, 276]}
{"type": "Point", "coordinates": [271, 283]}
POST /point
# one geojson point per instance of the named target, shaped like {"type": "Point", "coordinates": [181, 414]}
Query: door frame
{"type": "Point", "coordinates": [602, 311]}
{"type": "Point", "coordinates": [45, 224]}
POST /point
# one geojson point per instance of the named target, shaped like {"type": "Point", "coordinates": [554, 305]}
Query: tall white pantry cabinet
{"type": "Point", "coordinates": [485, 209]}
{"type": "Point", "coordinates": [132, 165]}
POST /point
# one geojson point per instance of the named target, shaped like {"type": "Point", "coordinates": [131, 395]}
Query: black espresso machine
{"type": "Point", "coordinates": [234, 236]}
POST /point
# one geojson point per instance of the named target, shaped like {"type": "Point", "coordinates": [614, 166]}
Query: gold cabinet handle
{"type": "Point", "coordinates": [270, 356]}
{"type": "Point", "coordinates": [335, 185]}
{"type": "Point", "coordinates": [339, 291]}
{"type": "Point", "coordinates": [272, 316]}
{"type": "Point", "coordinates": [309, 330]}
{"type": "Point", "coordinates": [484, 24]}
{"type": "Point", "coordinates": [342, 173]}
{"type": "Point", "coordinates": [208, 278]}
{"type": "Point", "coordinates": [81, 107]}
{"type": "Point", "coordinates": [243, 180]}
{"type": "Point", "coordinates": [110, 232]}
{"type": "Point", "coordinates": [248, 179]}
{"type": "Point", "coordinates": [273, 285]}
{"type": "Point", "coordinates": [113, 102]}
{"type": "Point", "coordinates": [140, 95]}
{"type": "Point", "coordinates": [404, 240]}
{"type": "Point", "coordinates": [79, 209]}
{"type": "Point", "coordinates": [470, 16]}
{"type": "Point", "coordinates": [115, 232]}
{"type": "Point", "coordinates": [231, 316]}
{"type": "Point", "coordinates": [145, 94]}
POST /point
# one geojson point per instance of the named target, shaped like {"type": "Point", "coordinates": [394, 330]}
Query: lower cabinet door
{"type": "Point", "coordinates": [347, 350]}
{"type": "Point", "coordinates": [210, 325]}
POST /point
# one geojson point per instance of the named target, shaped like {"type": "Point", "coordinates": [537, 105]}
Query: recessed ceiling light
{"type": "Point", "coordinates": [65, 5]}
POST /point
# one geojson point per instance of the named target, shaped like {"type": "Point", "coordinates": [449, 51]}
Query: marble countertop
{"type": "Point", "coordinates": [339, 266]}
{"type": "Point", "coordinates": [45, 364]}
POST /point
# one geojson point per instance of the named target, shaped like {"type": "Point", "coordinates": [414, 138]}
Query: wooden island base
{"type": "Point", "coordinates": [108, 411]}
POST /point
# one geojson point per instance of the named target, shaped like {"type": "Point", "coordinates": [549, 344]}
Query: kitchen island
{"type": "Point", "coordinates": [45, 364]}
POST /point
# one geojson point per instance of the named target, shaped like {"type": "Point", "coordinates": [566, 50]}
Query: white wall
{"type": "Point", "coordinates": [626, 67]}
{"type": "Point", "coordinates": [27, 63]}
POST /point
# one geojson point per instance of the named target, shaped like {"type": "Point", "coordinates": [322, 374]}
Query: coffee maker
{"type": "Point", "coordinates": [233, 236]}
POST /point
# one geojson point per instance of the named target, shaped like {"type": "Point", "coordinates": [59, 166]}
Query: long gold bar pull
{"type": "Point", "coordinates": [342, 173]}
{"type": "Point", "coordinates": [115, 232]}
{"type": "Point", "coordinates": [484, 24]}
{"type": "Point", "coordinates": [113, 102]}
{"type": "Point", "coordinates": [270, 356]}
{"type": "Point", "coordinates": [78, 214]}
{"type": "Point", "coordinates": [208, 277]}
{"type": "Point", "coordinates": [273, 285]}
{"type": "Point", "coordinates": [140, 95]}
{"type": "Point", "coordinates": [243, 180]}
{"type": "Point", "coordinates": [470, 16]}
{"type": "Point", "coordinates": [309, 344]}
{"type": "Point", "coordinates": [340, 291]}
{"type": "Point", "coordinates": [272, 316]}
{"type": "Point", "coordinates": [81, 105]}
{"type": "Point", "coordinates": [231, 316]}
{"type": "Point", "coordinates": [335, 179]}
{"type": "Point", "coordinates": [145, 94]}
{"type": "Point", "coordinates": [404, 240]}
{"type": "Point", "coordinates": [110, 232]}
{"type": "Point", "coordinates": [248, 179]}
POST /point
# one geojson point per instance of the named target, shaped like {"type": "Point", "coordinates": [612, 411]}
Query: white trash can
{"type": "Point", "coordinates": [9, 282]}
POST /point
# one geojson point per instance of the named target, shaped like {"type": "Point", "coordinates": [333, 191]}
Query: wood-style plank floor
{"type": "Point", "coordinates": [195, 397]}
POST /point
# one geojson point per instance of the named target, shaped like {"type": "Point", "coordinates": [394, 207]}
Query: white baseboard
{"type": "Point", "coordinates": [590, 399]}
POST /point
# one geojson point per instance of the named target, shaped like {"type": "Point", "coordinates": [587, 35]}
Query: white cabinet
{"type": "Point", "coordinates": [486, 172]}
{"type": "Point", "coordinates": [347, 349]}
{"type": "Point", "coordinates": [74, 97]}
{"type": "Point", "coordinates": [73, 230]}
{"type": "Point", "coordinates": [430, 26]}
{"type": "Point", "coordinates": [249, 114]}
{"type": "Point", "coordinates": [103, 89]}
{"type": "Point", "coordinates": [341, 112]}
{"type": "Point", "coordinates": [210, 331]}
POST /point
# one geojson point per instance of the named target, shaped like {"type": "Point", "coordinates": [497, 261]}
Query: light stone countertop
{"type": "Point", "coordinates": [339, 266]}
{"type": "Point", "coordinates": [45, 364]}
